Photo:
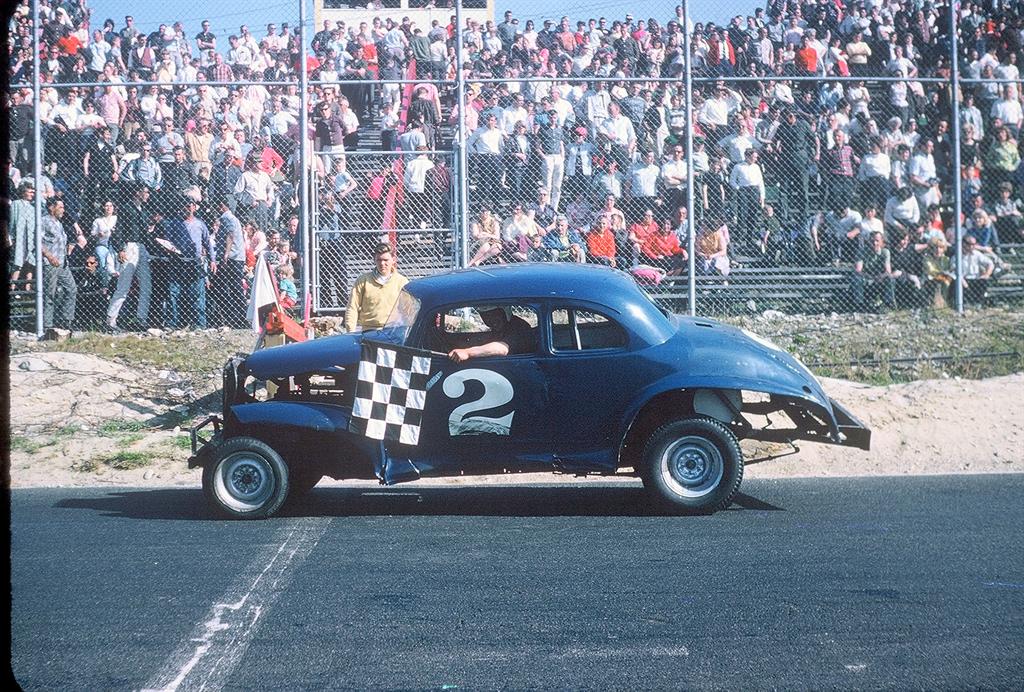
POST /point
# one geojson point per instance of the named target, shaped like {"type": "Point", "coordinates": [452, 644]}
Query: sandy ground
{"type": "Point", "coordinates": [71, 412]}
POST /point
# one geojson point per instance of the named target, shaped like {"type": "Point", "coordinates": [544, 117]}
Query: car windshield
{"type": "Point", "coordinates": [401, 319]}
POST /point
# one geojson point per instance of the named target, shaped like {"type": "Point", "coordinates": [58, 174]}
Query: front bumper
{"type": "Point", "coordinates": [201, 446]}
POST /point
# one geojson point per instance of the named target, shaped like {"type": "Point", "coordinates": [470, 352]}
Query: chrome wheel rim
{"type": "Point", "coordinates": [692, 466]}
{"type": "Point", "coordinates": [245, 482]}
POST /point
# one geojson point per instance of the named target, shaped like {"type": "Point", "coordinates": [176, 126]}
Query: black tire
{"type": "Point", "coordinates": [693, 465]}
{"type": "Point", "coordinates": [246, 479]}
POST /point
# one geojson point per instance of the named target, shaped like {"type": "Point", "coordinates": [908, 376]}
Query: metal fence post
{"type": "Point", "coordinates": [691, 207]}
{"type": "Point", "coordinates": [958, 230]}
{"type": "Point", "coordinates": [460, 234]}
{"type": "Point", "coordinates": [307, 236]}
{"type": "Point", "coordinates": [37, 169]}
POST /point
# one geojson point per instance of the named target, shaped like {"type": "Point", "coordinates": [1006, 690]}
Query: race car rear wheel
{"type": "Point", "coordinates": [693, 465]}
{"type": "Point", "coordinates": [246, 479]}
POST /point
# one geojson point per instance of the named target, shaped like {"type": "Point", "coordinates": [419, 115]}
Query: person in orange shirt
{"type": "Point", "coordinates": [662, 249]}
{"type": "Point", "coordinates": [601, 242]}
{"type": "Point", "coordinates": [806, 59]}
{"type": "Point", "coordinates": [639, 231]}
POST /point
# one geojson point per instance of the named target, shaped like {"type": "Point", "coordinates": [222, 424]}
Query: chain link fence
{"type": "Point", "coordinates": [824, 152]}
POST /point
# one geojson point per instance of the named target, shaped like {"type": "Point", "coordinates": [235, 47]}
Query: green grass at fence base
{"type": "Point", "coordinates": [188, 353]}
{"type": "Point", "coordinates": [867, 348]}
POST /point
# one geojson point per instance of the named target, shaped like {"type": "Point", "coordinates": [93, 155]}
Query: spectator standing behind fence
{"type": "Point", "coordinates": [747, 180]}
{"type": "Point", "coordinates": [375, 293]}
{"type": "Point", "coordinates": [797, 148]}
{"type": "Point", "coordinates": [59, 289]}
{"type": "Point", "coordinates": [21, 232]}
{"type": "Point", "coordinates": [129, 242]}
{"type": "Point", "coordinates": [226, 284]}
{"type": "Point", "coordinates": [254, 194]}
{"type": "Point", "coordinates": [187, 273]}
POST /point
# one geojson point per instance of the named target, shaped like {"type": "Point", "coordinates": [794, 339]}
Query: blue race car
{"type": "Point", "coordinates": [512, 368]}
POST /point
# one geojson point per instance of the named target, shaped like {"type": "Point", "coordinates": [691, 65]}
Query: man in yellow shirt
{"type": "Point", "coordinates": [375, 293]}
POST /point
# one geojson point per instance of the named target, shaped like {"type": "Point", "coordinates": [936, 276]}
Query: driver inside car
{"type": "Point", "coordinates": [510, 337]}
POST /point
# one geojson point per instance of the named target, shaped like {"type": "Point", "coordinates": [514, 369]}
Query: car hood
{"type": "Point", "coordinates": [327, 354]}
{"type": "Point", "coordinates": [720, 355]}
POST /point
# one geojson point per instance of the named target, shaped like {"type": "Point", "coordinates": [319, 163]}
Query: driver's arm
{"type": "Point", "coordinates": [494, 348]}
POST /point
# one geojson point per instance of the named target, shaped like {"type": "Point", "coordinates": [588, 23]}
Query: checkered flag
{"type": "Point", "coordinates": [390, 392]}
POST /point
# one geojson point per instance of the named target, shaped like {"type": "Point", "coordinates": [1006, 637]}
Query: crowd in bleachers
{"type": "Point", "coordinates": [170, 190]}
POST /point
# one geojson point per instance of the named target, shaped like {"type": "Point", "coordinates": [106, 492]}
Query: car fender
{"type": "Point", "coordinates": [810, 396]}
{"type": "Point", "coordinates": [299, 420]}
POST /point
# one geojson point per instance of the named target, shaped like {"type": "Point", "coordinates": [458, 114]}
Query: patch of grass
{"type": "Point", "coordinates": [125, 460]}
{"type": "Point", "coordinates": [130, 438]}
{"type": "Point", "coordinates": [115, 428]}
{"type": "Point", "coordinates": [20, 443]}
{"type": "Point", "coordinates": [182, 442]}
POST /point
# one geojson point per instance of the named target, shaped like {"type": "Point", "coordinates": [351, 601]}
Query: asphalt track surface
{"type": "Point", "coordinates": [802, 584]}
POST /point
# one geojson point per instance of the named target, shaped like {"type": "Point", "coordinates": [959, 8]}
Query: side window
{"type": "Point", "coordinates": [575, 329]}
{"type": "Point", "coordinates": [475, 325]}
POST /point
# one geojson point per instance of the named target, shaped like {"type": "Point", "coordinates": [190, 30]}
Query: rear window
{"type": "Point", "coordinates": [575, 329]}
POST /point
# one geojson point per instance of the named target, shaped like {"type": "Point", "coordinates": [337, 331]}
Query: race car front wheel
{"type": "Point", "coordinates": [246, 479]}
{"type": "Point", "coordinates": [693, 465]}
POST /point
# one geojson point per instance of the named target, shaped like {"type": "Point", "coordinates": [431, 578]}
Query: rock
{"type": "Point", "coordinates": [177, 428]}
{"type": "Point", "coordinates": [175, 392]}
{"type": "Point", "coordinates": [153, 331]}
{"type": "Point", "coordinates": [164, 374]}
{"type": "Point", "coordinates": [34, 365]}
{"type": "Point", "coordinates": [147, 475]}
{"type": "Point", "coordinates": [772, 315]}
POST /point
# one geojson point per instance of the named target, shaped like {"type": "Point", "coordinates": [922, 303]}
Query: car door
{"type": "Point", "coordinates": [487, 413]}
{"type": "Point", "coordinates": [593, 370]}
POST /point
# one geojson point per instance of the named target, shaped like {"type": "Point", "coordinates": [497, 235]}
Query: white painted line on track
{"type": "Point", "coordinates": [207, 658]}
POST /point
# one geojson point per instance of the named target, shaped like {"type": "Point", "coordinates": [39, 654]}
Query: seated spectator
{"type": "Point", "coordinates": [662, 249]}
{"type": "Point", "coordinates": [907, 267]}
{"type": "Point", "coordinates": [601, 242]}
{"type": "Point", "coordinates": [486, 232]}
{"type": "Point", "coordinates": [902, 211]}
{"type": "Point", "coordinates": [711, 247]}
{"type": "Point", "coordinates": [516, 234]}
{"type": "Point", "coordinates": [564, 244]}
{"type": "Point", "coordinates": [873, 275]}
{"type": "Point", "coordinates": [977, 270]}
{"type": "Point", "coordinates": [1009, 213]}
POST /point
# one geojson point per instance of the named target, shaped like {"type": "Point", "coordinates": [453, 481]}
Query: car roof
{"type": "Point", "coordinates": [523, 280]}
{"type": "Point", "coordinates": [597, 284]}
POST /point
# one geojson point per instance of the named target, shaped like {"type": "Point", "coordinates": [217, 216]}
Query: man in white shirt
{"type": "Point", "coordinates": [515, 113]}
{"type": "Point", "coordinates": [1008, 109]}
{"type": "Point", "coordinates": [642, 187]}
{"type": "Point", "coordinates": [747, 179]}
{"type": "Point", "coordinates": [417, 201]}
{"type": "Point", "coordinates": [673, 179]}
{"type": "Point", "coordinates": [714, 113]}
{"type": "Point", "coordinates": [618, 129]}
{"type": "Point", "coordinates": [923, 175]}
